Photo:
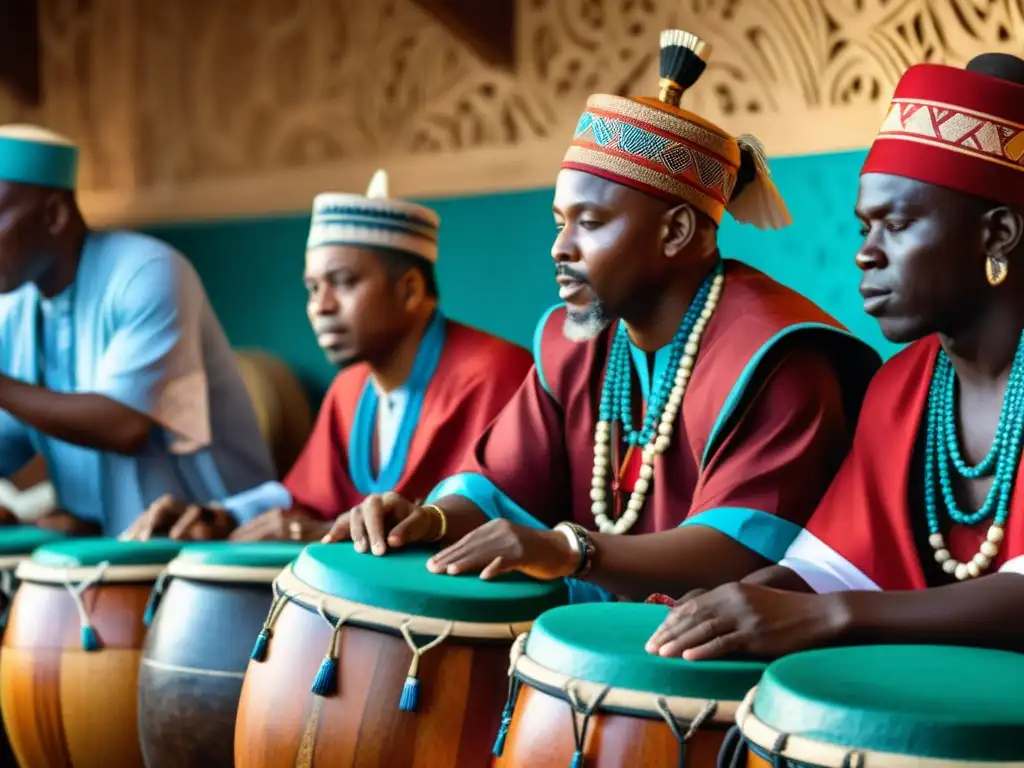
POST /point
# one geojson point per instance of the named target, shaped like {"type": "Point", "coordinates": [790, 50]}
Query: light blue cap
{"type": "Point", "coordinates": [33, 155]}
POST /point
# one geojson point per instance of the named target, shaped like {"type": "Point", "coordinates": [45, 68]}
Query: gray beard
{"type": "Point", "coordinates": [584, 324]}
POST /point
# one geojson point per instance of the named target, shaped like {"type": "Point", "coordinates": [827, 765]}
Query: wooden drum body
{"type": "Point", "coordinates": [582, 686]}
{"type": "Point", "coordinates": [886, 707]}
{"type": "Point", "coordinates": [17, 543]}
{"type": "Point", "coordinates": [212, 601]}
{"type": "Point", "coordinates": [336, 683]}
{"type": "Point", "coordinates": [71, 652]}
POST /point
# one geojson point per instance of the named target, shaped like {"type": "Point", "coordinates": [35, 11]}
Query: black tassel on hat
{"type": "Point", "coordinates": [684, 57]}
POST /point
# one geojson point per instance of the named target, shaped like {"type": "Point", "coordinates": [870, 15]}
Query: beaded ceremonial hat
{"type": "Point", "coordinates": [30, 154]}
{"type": "Point", "coordinates": [653, 145]}
{"type": "Point", "coordinates": [957, 128]}
{"type": "Point", "coordinates": [374, 220]}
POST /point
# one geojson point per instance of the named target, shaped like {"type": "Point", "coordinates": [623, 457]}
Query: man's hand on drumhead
{"type": "Point", "coordinates": [156, 520]}
{"type": "Point", "coordinates": [381, 521]}
{"type": "Point", "coordinates": [280, 525]}
{"type": "Point", "coordinates": [203, 524]}
{"type": "Point", "coordinates": [744, 618]}
{"type": "Point", "coordinates": [501, 546]}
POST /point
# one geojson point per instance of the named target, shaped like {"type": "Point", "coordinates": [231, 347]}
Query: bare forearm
{"type": "Point", "coordinates": [671, 562]}
{"type": "Point", "coordinates": [91, 421]}
{"type": "Point", "coordinates": [462, 515]}
{"type": "Point", "coordinates": [981, 612]}
{"type": "Point", "coordinates": [778, 577]}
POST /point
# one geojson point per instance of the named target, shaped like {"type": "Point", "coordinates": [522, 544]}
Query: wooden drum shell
{"type": "Point", "coordinates": [62, 705]}
{"type": "Point", "coordinates": [192, 669]}
{"type": "Point", "coordinates": [463, 684]}
{"type": "Point", "coordinates": [541, 736]}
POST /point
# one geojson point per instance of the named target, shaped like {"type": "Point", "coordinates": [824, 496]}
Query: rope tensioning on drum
{"type": "Point", "coordinates": [154, 598]}
{"type": "Point", "coordinates": [733, 753]}
{"type": "Point", "coordinates": [579, 732]}
{"type": "Point", "coordinates": [90, 642]}
{"type": "Point", "coordinates": [695, 724]}
{"type": "Point", "coordinates": [326, 681]}
{"type": "Point", "coordinates": [411, 689]}
{"type": "Point", "coordinates": [518, 648]}
{"type": "Point", "coordinates": [7, 585]}
{"type": "Point", "coordinates": [259, 648]}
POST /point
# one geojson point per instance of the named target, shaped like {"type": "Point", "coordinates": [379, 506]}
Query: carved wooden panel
{"type": "Point", "coordinates": [194, 108]}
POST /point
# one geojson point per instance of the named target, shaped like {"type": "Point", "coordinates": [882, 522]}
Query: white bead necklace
{"type": "Point", "coordinates": [977, 565]}
{"type": "Point", "coordinates": [658, 444]}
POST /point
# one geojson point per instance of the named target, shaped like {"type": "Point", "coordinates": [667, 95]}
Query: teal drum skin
{"type": "Point", "coordinates": [376, 662]}
{"type": "Point", "coordinates": [584, 691]}
{"type": "Point", "coordinates": [204, 615]}
{"type": "Point", "coordinates": [882, 706]}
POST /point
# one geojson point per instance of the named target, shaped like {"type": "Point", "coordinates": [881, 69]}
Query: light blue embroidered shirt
{"type": "Point", "coordinates": [136, 327]}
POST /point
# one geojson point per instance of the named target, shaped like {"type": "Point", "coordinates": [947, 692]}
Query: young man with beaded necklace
{"type": "Point", "coordinates": [750, 389]}
{"type": "Point", "coordinates": [894, 554]}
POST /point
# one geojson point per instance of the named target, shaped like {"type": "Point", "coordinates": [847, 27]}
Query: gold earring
{"type": "Point", "coordinates": [996, 269]}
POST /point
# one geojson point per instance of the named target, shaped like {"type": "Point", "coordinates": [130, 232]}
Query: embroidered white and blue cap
{"type": "Point", "coordinates": [374, 220]}
{"type": "Point", "coordinates": [30, 154]}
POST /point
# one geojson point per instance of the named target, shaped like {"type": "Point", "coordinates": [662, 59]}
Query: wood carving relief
{"type": "Point", "coordinates": [196, 108]}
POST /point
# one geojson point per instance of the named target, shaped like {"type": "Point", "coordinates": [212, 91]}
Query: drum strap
{"type": "Point", "coordinates": [695, 725]}
{"type": "Point", "coordinates": [518, 648]}
{"type": "Point", "coordinates": [579, 730]}
{"type": "Point", "coordinates": [90, 642]}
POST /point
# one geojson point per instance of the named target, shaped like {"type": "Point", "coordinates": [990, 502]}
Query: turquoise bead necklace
{"type": "Point", "coordinates": [663, 405]}
{"type": "Point", "coordinates": [942, 452]}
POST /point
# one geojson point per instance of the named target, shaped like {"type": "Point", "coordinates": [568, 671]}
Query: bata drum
{"type": "Point", "coordinates": [16, 543]}
{"type": "Point", "coordinates": [375, 661]}
{"type": "Point", "coordinates": [583, 691]}
{"type": "Point", "coordinates": [71, 652]}
{"type": "Point", "coordinates": [886, 707]}
{"type": "Point", "coordinates": [212, 601]}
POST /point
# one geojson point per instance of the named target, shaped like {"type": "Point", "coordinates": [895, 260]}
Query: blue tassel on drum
{"type": "Point", "coordinates": [90, 641]}
{"type": "Point", "coordinates": [259, 648]}
{"type": "Point", "coordinates": [326, 681]}
{"type": "Point", "coordinates": [506, 716]}
{"type": "Point", "coordinates": [154, 599]}
{"type": "Point", "coordinates": [410, 695]}
{"type": "Point", "coordinates": [577, 760]}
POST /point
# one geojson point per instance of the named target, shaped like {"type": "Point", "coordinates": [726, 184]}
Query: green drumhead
{"type": "Point", "coordinates": [84, 553]}
{"type": "Point", "coordinates": [399, 581]}
{"type": "Point", "coordinates": [22, 539]}
{"type": "Point", "coordinates": [925, 701]}
{"type": "Point", "coordinates": [230, 554]}
{"type": "Point", "coordinates": [604, 643]}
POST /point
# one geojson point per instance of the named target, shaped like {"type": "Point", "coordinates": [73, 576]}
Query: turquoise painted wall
{"type": "Point", "coordinates": [495, 267]}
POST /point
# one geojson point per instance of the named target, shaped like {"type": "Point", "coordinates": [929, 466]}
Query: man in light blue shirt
{"type": "Point", "coordinates": [113, 365]}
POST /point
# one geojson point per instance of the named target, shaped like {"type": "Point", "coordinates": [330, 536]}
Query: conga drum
{"type": "Point", "coordinates": [375, 661]}
{"type": "Point", "coordinates": [583, 691]}
{"type": "Point", "coordinates": [886, 707]}
{"type": "Point", "coordinates": [71, 652]}
{"type": "Point", "coordinates": [16, 543]}
{"type": "Point", "coordinates": [207, 608]}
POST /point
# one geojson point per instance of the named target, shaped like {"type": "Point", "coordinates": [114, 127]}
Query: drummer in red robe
{"type": "Point", "coordinates": [920, 539]}
{"type": "Point", "coordinates": [415, 392]}
{"type": "Point", "coordinates": [705, 421]}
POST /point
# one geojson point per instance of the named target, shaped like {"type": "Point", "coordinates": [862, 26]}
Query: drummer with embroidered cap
{"type": "Point", "coordinates": [113, 366]}
{"type": "Point", "coordinates": [712, 412]}
{"type": "Point", "coordinates": [416, 389]}
{"type": "Point", "coordinates": [920, 539]}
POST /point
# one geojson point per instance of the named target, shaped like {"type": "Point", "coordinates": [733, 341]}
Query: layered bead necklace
{"type": "Point", "coordinates": [942, 451]}
{"type": "Point", "coordinates": [664, 403]}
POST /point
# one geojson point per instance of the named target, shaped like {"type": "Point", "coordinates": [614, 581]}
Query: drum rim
{"type": "Point", "coordinates": [296, 591]}
{"type": "Point", "coordinates": [812, 752]}
{"type": "Point", "coordinates": [627, 701]}
{"type": "Point", "coordinates": [181, 568]}
{"type": "Point", "coordinates": [10, 562]}
{"type": "Point", "coordinates": [30, 571]}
